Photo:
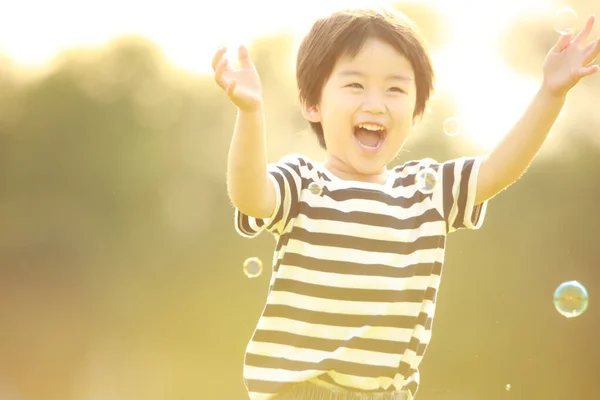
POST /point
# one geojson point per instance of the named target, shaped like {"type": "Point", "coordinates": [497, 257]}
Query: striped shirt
{"type": "Point", "coordinates": [356, 271]}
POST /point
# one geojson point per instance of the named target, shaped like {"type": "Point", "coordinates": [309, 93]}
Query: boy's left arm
{"type": "Point", "coordinates": [566, 64]}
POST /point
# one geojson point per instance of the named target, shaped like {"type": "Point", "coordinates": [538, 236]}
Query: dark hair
{"type": "Point", "coordinates": [345, 32]}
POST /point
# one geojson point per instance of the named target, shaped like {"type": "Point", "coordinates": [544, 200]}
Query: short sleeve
{"type": "Point", "coordinates": [287, 181]}
{"type": "Point", "coordinates": [458, 191]}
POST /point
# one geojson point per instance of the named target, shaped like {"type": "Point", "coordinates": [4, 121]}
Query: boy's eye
{"type": "Point", "coordinates": [396, 89]}
{"type": "Point", "coordinates": [355, 85]}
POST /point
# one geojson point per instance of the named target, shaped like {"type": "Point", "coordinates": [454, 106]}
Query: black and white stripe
{"type": "Point", "coordinates": [355, 276]}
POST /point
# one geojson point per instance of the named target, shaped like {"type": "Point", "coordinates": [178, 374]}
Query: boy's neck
{"type": "Point", "coordinates": [346, 173]}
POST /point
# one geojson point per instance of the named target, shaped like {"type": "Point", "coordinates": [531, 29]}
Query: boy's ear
{"type": "Point", "coordinates": [311, 113]}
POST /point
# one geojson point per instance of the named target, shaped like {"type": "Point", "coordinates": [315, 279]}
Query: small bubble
{"type": "Point", "coordinates": [315, 188]}
{"type": "Point", "coordinates": [565, 20]}
{"type": "Point", "coordinates": [253, 267]}
{"type": "Point", "coordinates": [571, 299]}
{"type": "Point", "coordinates": [452, 126]}
{"type": "Point", "coordinates": [426, 180]}
{"type": "Point", "coordinates": [508, 387]}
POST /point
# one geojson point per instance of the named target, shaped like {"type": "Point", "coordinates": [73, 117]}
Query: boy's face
{"type": "Point", "coordinates": [366, 110]}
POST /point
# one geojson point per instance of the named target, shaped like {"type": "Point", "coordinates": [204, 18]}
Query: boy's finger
{"type": "Point", "coordinates": [217, 58]}
{"type": "Point", "coordinates": [563, 42]}
{"type": "Point", "coordinates": [587, 71]}
{"type": "Point", "coordinates": [592, 51]}
{"type": "Point", "coordinates": [244, 57]}
{"type": "Point", "coordinates": [219, 71]}
{"type": "Point", "coordinates": [231, 88]}
{"type": "Point", "coordinates": [587, 29]}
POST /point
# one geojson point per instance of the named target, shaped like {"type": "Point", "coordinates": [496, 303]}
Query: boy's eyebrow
{"type": "Point", "coordinates": [361, 75]}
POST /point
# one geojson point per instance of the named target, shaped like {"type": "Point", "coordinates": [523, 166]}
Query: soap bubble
{"type": "Point", "coordinates": [426, 180]}
{"type": "Point", "coordinates": [571, 299]}
{"type": "Point", "coordinates": [565, 20]}
{"type": "Point", "coordinates": [452, 126]}
{"type": "Point", "coordinates": [315, 188]}
{"type": "Point", "coordinates": [253, 267]}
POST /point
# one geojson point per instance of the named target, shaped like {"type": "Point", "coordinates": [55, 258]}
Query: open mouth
{"type": "Point", "coordinates": [370, 136]}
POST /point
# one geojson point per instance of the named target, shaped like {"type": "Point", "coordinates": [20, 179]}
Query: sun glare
{"type": "Point", "coordinates": [488, 95]}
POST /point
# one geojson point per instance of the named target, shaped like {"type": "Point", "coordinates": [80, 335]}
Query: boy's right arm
{"type": "Point", "coordinates": [250, 189]}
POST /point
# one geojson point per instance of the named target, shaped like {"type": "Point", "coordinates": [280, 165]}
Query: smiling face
{"type": "Point", "coordinates": [366, 111]}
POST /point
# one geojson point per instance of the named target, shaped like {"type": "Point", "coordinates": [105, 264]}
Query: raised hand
{"type": "Point", "coordinates": [242, 85]}
{"type": "Point", "coordinates": [570, 60]}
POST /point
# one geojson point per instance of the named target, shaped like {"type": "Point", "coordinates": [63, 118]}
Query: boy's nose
{"type": "Point", "coordinates": [374, 105]}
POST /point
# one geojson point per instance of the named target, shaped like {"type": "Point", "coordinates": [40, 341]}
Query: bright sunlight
{"type": "Point", "coordinates": [171, 24]}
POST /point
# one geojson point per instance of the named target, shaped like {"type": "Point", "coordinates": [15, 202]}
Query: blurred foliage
{"type": "Point", "coordinates": [120, 271]}
{"type": "Point", "coordinates": [430, 21]}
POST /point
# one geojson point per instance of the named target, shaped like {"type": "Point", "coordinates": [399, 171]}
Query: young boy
{"type": "Point", "coordinates": [360, 247]}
